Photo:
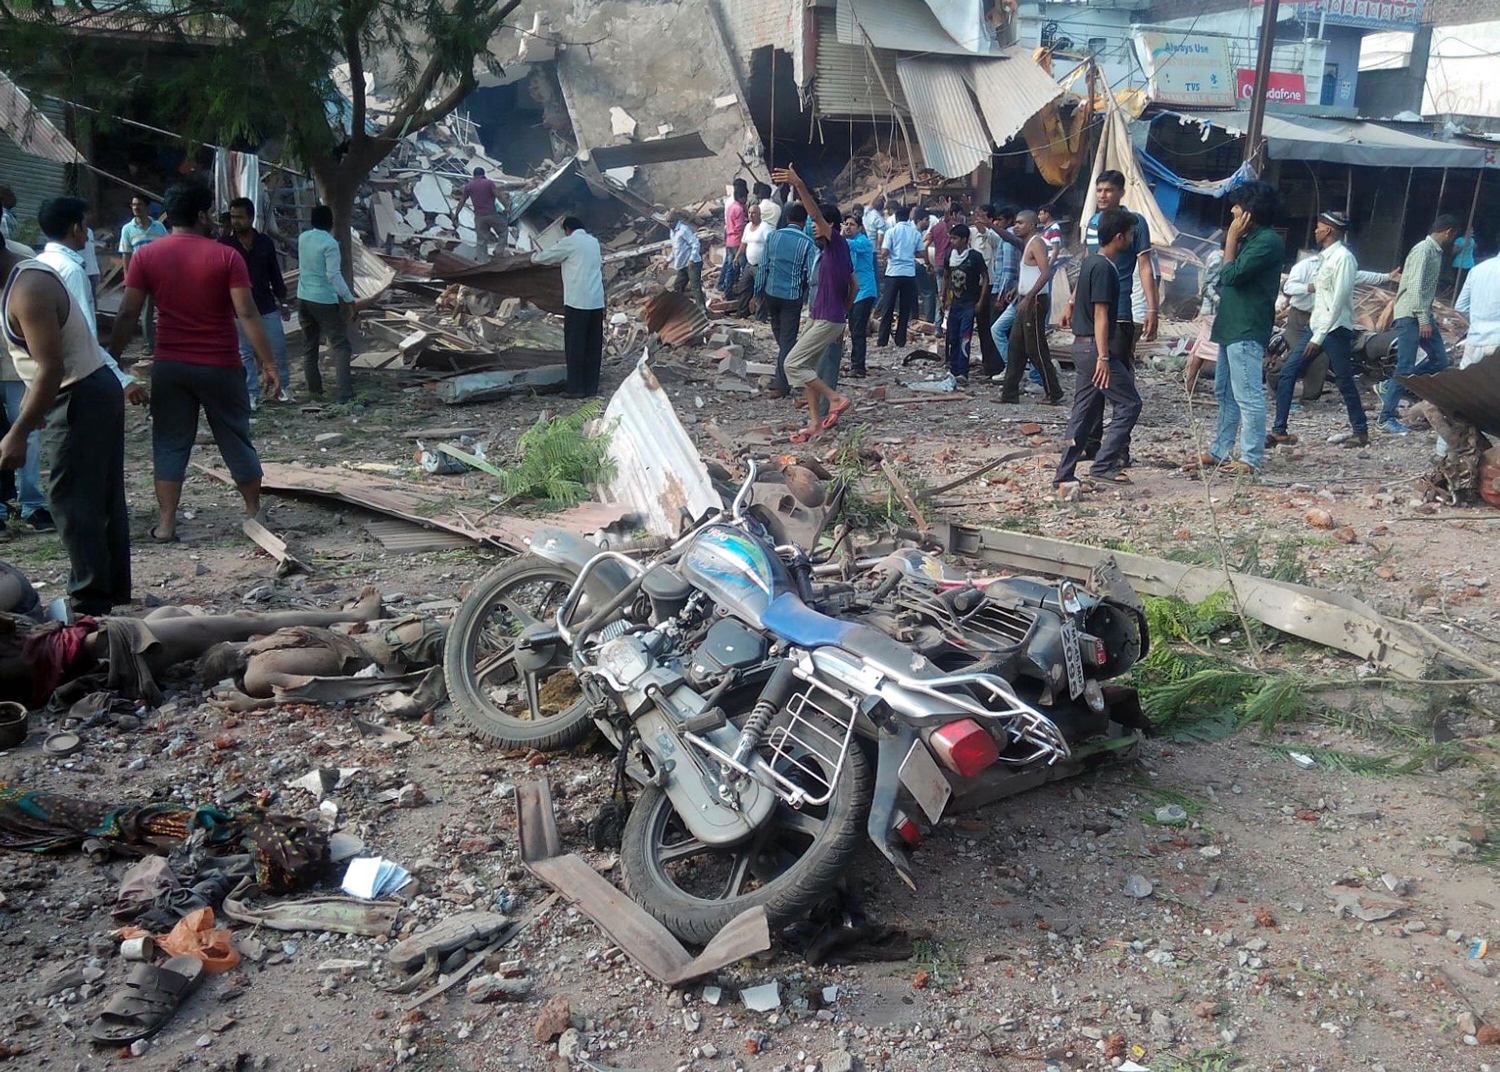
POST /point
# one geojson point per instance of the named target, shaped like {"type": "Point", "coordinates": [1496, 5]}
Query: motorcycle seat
{"type": "Point", "coordinates": [793, 620]}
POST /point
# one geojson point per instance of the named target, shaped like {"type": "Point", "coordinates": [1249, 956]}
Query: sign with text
{"type": "Point", "coordinates": [1285, 87]}
{"type": "Point", "coordinates": [1186, 69]}
{"type": "Point", "coordinates": [1365, 14]}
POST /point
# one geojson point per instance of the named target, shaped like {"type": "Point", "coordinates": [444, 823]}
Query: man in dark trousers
{"type": "Point", "coordinates": [74, 396]}
{"type": "Point", "coordinates": [782, 285]}
{"type": "Point", "coordinates": [267, 289]}
{"type": "Point", "coordinates": [583, 304]}
{"type": "Point", "coordinates": [965, 278]}
{"type": "Point", "coordinates": [1101, 375]}
{"type": "Point", "coordinates": [200, 288]}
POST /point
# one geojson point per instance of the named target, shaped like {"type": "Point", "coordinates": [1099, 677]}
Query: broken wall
{"type": "Point", "coordinates": [664, 64]}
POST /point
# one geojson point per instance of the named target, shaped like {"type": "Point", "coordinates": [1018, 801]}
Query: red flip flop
{"type": "Point", "coordinates": [835, 413]}
{"type": "Point", "coordinates": [799, 438]}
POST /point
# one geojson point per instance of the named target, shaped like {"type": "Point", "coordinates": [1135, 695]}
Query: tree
{"type": "Point", "coordinates": [252, 69]}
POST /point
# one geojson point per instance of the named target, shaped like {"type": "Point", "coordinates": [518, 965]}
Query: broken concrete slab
{"type": "Point", "coordinates": [642, 938]}
{"type": "Point", "coordinates": [432, 196]}
{"type": "Point", "coordinates": [621, 122]}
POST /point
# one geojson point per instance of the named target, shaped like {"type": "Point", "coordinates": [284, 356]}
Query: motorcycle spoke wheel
{"type": "Point", "coordinates": [498, 696]}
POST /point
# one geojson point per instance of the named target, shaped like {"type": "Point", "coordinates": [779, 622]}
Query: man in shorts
{"type": "Point", "coordinates": [199, 287]}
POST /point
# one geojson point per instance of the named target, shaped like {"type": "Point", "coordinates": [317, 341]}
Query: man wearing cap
{"type": "Point", "coordinates": [1332, 328]}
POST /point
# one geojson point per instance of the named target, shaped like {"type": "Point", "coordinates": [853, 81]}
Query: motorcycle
{"type": "Point", "coordinates": [771, 710]}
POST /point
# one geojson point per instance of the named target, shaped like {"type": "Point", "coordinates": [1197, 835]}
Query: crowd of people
{"type": "Point", "coordinates": [208, 289]}
{"type": "Point", "coordinates": [989, 273]}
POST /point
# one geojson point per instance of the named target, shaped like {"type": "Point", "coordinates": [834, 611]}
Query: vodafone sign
{"type": "Point", "coordinates": [1285, 87]}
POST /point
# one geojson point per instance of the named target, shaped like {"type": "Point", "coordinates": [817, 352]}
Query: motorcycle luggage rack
{"type": "Point", "coordinates": [794, 738]}
{"type": "Point", "coordinates": [990, 626]}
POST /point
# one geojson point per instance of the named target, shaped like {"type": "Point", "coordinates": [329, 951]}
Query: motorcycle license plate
{"type": "Point", "coordinates": [1073, 656]}
{"type": "Point", "coordinates": [924, 778]}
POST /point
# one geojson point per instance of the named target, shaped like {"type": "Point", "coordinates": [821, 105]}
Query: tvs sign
{"type": "Point", "coordinates": [1285, 87]}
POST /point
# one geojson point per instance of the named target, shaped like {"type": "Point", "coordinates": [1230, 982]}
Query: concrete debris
{"type": "Point", "coordinates": [763, 998]}
{"type": "Point", "coordinates": [621, 123]}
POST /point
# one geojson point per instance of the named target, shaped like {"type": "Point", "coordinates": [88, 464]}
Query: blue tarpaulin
{"type": "Point", "coordinates": [1161, 174]}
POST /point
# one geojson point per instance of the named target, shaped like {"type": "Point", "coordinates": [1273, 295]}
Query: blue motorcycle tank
{"type": "Point", "coordinates": [738, 572]}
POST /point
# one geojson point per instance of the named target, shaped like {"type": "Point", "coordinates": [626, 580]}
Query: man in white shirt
{"type": "Point", "coordinates": [1480, 302]}
{"type": "Point", "coordinates": [770, 210]}
{"type": "Point", "coordinates": [687, 259]}
{"type": "Point", "coordinates": [1331, 331]}
{"type": "Point", "coordinates": [583, 304]}
{"type": "Point", "coordinates": [900, 250]}
{"type": "Point", "coordinates": [1298, 289]}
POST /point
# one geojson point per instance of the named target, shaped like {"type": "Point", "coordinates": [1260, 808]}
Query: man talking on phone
{"type": "Point", "coordinates": [1249, 282]}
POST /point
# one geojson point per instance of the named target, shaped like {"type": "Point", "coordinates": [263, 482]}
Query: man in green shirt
{"type": "Point", "coordinates": [1249, 282]}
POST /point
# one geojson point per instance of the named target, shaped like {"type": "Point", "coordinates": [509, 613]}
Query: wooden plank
{"type": "Point", "coordinates": [431, 504]}
{"type": "Point", "coordinates": [1328, 618]}
{"type": "Point", "coordinates": [274, 546]}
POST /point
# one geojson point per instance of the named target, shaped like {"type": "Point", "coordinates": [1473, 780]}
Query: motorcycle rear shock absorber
{"type": "Point", "coordinates": [777, 691]}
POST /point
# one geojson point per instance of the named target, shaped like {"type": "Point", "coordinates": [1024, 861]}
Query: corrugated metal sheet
{"type": "Point", "coordinates": [659, 476]}
{"type": "Point", "coordinates": [847, 86]}
{"type": "Point", "coordinates": [953, 138]}
{"type": "Point", "coordinates": [1011, 91]}
{"type": "Point", "coordinates": [1472, 393]}
{"type": "Point", "coordinates": [34, 178]}
{"type": "Point", "coordinates": [905, 25]}
{"type": "Point", "coordinates": [32, 128]}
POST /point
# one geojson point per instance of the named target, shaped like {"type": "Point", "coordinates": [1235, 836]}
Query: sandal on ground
{"type": "Point", "coordinates": [798, 438]}
{"type": "Point", "coordinates": [156, 538]}
{"type": "Point", "coordinates": [149, 999]}
{"type": "Point", "coordinates": [835, 413]}
{"type": "Point", "coordinates": [1113, 476]}
{"type": "Point", "coordinates": [1203, 461]}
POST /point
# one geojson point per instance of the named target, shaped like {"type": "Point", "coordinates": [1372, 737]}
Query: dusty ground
{"type": "Point", "coordinates": [1038, 958]}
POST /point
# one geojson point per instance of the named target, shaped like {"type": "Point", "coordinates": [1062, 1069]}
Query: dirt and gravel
{"type": "Point", "coordinates": [1065, 929]}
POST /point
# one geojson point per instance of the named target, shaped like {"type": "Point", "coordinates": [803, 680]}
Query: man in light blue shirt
{"type": "Point", "coordinates": [141, 230]}
{"type": "Point", "coordinates": [862, 251]}
{"type": "Point", "coordinates": [582, 264]}
{"type": "Point", "coordinates": [687, 259]}
{"type": "Point", "coordinates": [325, 304]}
{"type": "Point", "coordinates": [901, 248]}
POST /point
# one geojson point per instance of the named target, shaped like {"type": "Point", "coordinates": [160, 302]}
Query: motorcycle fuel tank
{"type": "Point", "coordinates": [739, 573]}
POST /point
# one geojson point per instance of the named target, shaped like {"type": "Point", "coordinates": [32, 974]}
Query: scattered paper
{"type": "Point", "coordinates": [371, 877]}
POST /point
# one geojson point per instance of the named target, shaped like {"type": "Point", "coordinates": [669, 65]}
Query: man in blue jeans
{"type": "Point", "coordinates": [1416, 327]}
{"type": "Point", "coordinates": [782, 286]}
{"type": "Point", "coordinates": [1332, 332]}
{"type": "Point", "coordinates": [1249, 281]}
{"type": "Point", "coordinates": [965, 280]}
{"type": "Point", "coordinates": [268, 289]}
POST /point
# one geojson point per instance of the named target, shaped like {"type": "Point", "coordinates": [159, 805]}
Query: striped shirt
{"type": "Point", "coordinates": [1419, 281]}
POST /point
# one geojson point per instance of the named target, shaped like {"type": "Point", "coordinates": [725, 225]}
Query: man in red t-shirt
{"type": "Point", "coordinates": [199, 288]}
{"type": "Point", "coordinates": [490, 217]}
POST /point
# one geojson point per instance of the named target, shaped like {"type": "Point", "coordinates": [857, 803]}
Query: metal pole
{"type": "Point", "coordinates": [1442, 193]}
{"type": "Point", "coordinates": [771, 150]}
{"type": "Point", "coordinates": [1458, 277]}
{"type": "Point", "coordinates": [1349, 194]}
{"type": "Point", "coordinates": [1262, 80]}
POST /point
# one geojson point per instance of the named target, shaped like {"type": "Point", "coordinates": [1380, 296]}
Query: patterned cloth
{"type": "Point", "coordinates": [289, 853]}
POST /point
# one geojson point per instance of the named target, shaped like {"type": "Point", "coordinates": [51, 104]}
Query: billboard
{"type": "Point", "coordinates": [1285, 87]}
{"type": "Point", "coordinates": [1186, 69]}
{"type": "Point", "coordinates": [1363, 14]}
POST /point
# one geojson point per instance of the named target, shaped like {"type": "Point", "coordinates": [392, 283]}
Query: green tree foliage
{"type": "Point", "coordinates": [256, 69]}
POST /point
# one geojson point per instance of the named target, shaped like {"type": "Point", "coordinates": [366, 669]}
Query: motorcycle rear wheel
{"type": "Point", "coordinates": [500, 701]}
{"type": "Point", "coordinates": [787, 867]}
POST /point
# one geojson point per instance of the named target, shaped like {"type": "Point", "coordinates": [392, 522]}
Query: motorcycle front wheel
{"type": "Point", "coordinates": [499, 699]}
{"type": "Point", "coordinates": [787, 867]}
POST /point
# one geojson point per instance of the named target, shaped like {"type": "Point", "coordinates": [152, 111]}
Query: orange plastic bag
{"type": "Point", "coordinates": [196, 936]}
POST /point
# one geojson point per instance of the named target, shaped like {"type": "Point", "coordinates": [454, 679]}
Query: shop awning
{"type": "Point", "coordinates": [1011, 91]}
{"type": "Point", "coordinates": [1345, 141]}
{"type": "Point", "coordinates": [954, 141]}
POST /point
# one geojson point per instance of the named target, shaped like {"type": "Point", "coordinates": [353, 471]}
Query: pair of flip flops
{"type": "Point", "coordinates": [151, 996]}
{"type": "Point", "coordinates": [829, 423]}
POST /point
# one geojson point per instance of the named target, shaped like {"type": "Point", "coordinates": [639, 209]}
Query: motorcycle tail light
{"type": "Point", "coordinates": [1092, 649]}
{"type": "Point", "coordinates": [907, 830]}
{"type": "Point", "coordinates": [964, 747]}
